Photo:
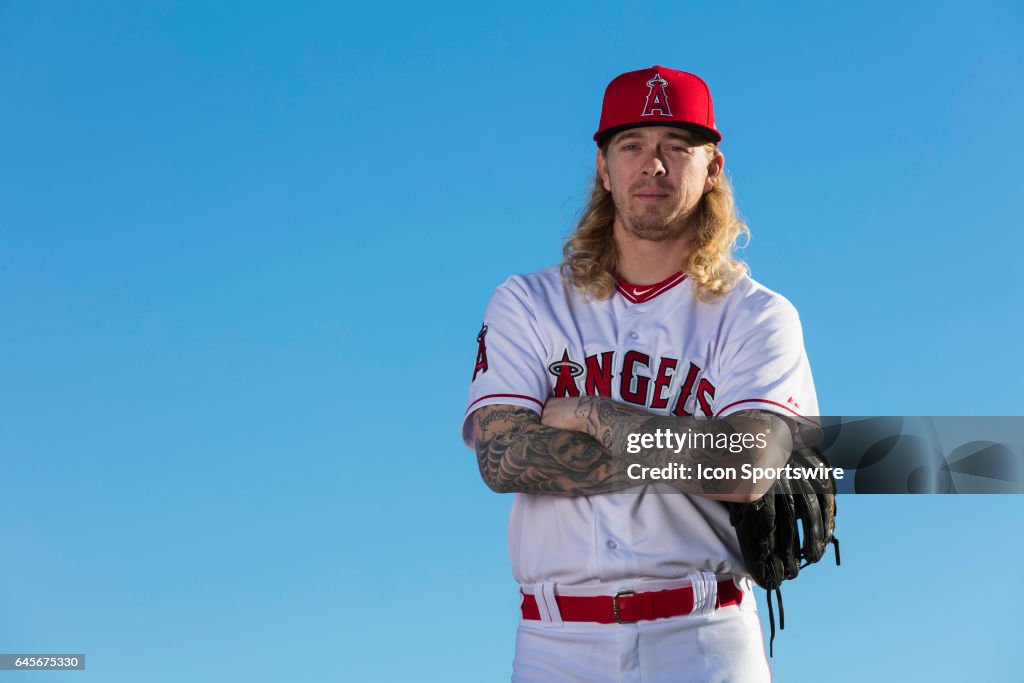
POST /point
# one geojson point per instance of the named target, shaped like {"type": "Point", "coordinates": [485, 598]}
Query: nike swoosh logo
{"type": "Point", "coordinates": [641, 292]}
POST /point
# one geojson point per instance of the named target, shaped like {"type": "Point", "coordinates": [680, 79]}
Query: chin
{"type": "Point", "coordinates": [651, 235]}
{"type": "Point", "coordinates": [653, 232]}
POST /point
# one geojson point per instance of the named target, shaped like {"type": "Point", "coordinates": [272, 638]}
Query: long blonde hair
{"type": "Point", "coordinates": [590, 254]}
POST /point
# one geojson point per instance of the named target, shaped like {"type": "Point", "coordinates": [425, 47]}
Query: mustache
{"type": "Point", "coordinates": [662, 188]}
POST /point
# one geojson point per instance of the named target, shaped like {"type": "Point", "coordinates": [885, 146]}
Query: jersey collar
{"type": "Point", "coordinates": [638, 294]}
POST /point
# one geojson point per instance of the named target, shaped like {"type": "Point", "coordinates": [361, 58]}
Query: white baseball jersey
{"type": "Point", "coordinates": [657, 347]}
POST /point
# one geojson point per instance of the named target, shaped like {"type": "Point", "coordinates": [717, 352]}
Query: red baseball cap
{"type": "Point", "coordinates": [658, 96]}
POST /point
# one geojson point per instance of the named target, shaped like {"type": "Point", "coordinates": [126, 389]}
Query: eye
{"type": "Point", "coordinates": [630, 146]}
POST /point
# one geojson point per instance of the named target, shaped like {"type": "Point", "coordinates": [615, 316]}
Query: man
{"type": "Point", "coordinates": [649, 326]}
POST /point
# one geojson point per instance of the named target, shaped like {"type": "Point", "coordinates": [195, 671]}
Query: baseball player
{"type": "Point", "coordinates": [648, 324]}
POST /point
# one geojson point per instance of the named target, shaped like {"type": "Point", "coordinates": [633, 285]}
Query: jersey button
{"type": "Point", "coordinates": [634, 335]}
{"type": "Point", "coordinates": [613, 545]}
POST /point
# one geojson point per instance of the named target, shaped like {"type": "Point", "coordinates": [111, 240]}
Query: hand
{"type": "Point", "coordinates": [770, 434]}
{"type": "Point", "coordinates": [771, 449]}
{"type": "Point", "coordinates": [563, 413]}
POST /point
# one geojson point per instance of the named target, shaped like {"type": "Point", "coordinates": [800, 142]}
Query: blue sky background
{"type": "Point", "coordinates": [244, 254]}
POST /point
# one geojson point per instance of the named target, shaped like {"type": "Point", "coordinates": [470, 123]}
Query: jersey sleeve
{"type": "Point", "coordinates": [765, 367]}
{"type": "Point", "coordinates": [510, 366]}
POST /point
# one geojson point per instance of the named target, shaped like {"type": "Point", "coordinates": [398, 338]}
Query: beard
{"type": "Point", "coordinates": [652, 226]}
{"type": "Point", "coordinates": [655, 222]}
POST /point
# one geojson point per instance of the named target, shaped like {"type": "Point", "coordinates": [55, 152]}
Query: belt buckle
{"type": "Point", "coordinates": [615, 606]}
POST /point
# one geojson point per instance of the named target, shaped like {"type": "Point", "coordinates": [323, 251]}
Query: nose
{"type": "Point", "coordinates": [654, 166]}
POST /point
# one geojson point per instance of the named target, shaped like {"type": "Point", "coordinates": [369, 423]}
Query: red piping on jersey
{"type": "Point", "coordinates": [764, 400]}
{"type": "Point", "coordinates": [638, 294]}
{"type": "Point", "coordinates": [528, 398]}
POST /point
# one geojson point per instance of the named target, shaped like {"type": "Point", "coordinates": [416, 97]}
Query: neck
{"type": "Point", "coordinates": [646, 262]}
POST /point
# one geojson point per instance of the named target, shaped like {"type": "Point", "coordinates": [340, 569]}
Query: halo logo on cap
{"type": "Point", "coordinates": [657, 100]}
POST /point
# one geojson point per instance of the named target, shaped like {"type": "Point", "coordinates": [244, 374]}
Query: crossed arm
{"type": "Point", "coordinates": [579, 447]}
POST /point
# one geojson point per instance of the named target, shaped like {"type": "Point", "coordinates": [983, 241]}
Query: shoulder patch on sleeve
{"type": "Point", "coordinates": [481, 352]}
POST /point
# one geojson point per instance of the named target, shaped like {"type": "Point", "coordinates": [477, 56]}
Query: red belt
{"type": "Point", "coordinates": [626, 607]}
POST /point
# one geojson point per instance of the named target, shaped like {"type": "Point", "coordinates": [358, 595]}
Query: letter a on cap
{"type": "Point", "coordinates": [657, 100]}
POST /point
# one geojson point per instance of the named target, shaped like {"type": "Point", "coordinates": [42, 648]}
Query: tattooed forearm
{"type": "Point", "coordinates": [611, 423]}
{"type": "Point", "coordinates": [518, 454]}
{"type": "Point", "coordinates": [614, 423]}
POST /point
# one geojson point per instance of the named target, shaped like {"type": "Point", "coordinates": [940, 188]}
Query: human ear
{"type": "Point", "coordinates": [602, 170]}
{"type": "Point", "coordinates": [715, 167]}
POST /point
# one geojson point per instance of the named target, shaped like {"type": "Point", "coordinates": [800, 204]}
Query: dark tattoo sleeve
{"type": "Point", "coordinates": [518, 454]}
{"type": "Point", "coordinates": [612, 423]}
